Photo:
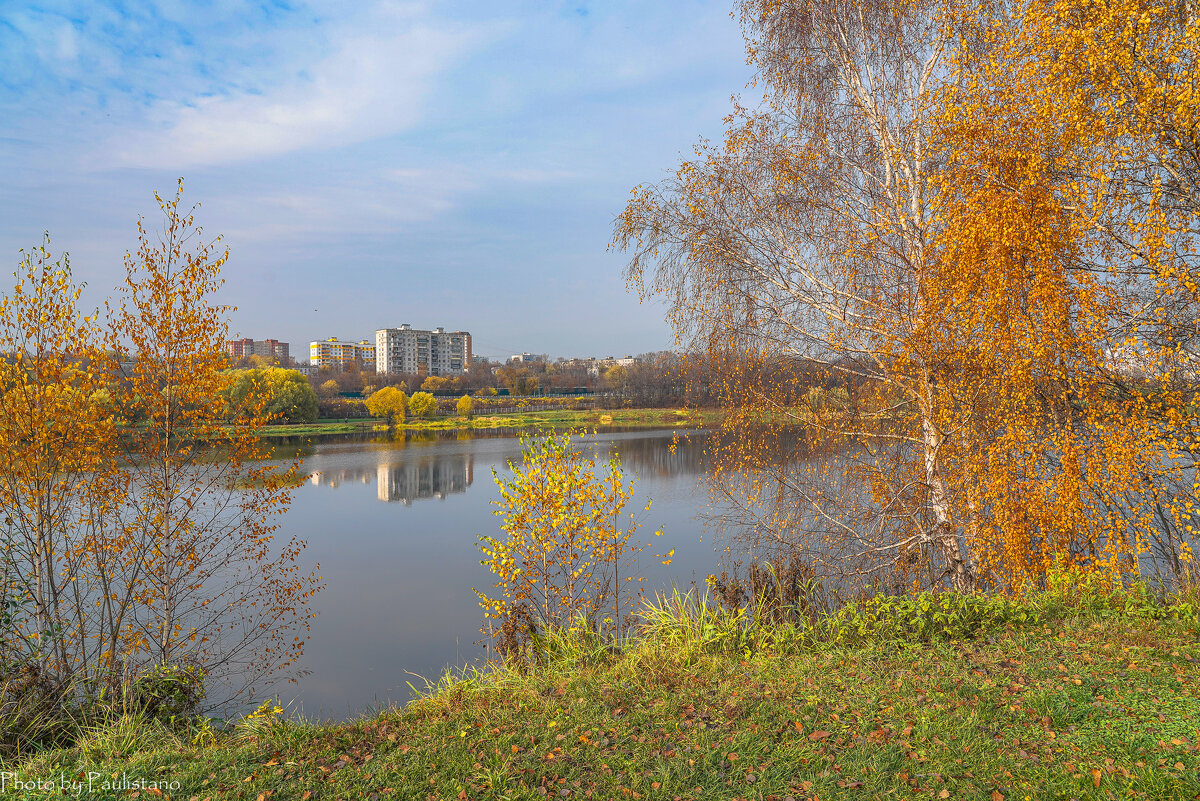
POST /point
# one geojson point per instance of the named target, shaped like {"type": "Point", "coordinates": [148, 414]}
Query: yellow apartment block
{"type": "Point", "coordinates": [341, 355]}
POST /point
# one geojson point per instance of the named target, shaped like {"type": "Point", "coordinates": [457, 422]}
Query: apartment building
{"type": "Point", "coordinates": [341, 355]}
{"type": "Point", "coordinates": [241, 348]}
{"type": "Point", "coordinates": [526, 358]}
{"type": "Point", "coordinates": [412, 350]}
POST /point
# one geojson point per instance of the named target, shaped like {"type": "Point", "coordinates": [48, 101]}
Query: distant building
{"type": "Point", "coordinates": [521, 358]}
{"type": "Point", "coordinates": [597, 366]}
{"type": "Point", "coordinates": [242, 348]}
{"type": "Point", "coordinates": [341, 355]}
{"type": "Point", "coordinates": [412, 350]}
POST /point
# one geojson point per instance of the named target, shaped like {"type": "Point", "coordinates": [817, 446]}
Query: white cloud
{"type": "Point", "coordinates": [354, 205]}
{"type": "Point", "coordinates": [373, 82]}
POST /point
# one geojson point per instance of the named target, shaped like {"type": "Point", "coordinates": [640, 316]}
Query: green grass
{"type": "Point", "coordinates": [1081, 706]}
{"type": "Point", "coordinates": [320, 427]}
{"type": "Point", "coordinates": [598, 418]}
{"type": "Point", "coordinates": [559, 418]}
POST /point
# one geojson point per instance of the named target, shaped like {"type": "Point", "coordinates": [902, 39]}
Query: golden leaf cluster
{"type": "Point", "coordinates": [945, 278]}
{"type": "Point", "coordinates": [139, 523]}
{"type": "Point", "coordinates": [564, 545]}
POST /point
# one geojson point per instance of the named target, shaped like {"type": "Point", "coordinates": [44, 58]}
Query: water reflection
{"type": "Point", "coordinates": [399, 574]}
{"type": "Point", "coordinates": [334, 478]}
{"type": "Point", "coordinates": [428, 478]}
{"type": "Point", "coordinates": [432, 476]}
{"type": "Point", "coordinates": [662, 454]}
{"type": "Point", "coordinates": [400, 476]}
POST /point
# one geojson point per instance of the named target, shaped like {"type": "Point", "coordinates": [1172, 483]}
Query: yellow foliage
{"type": "Point", "coordinates": [465, 406]}
{"type": "Point", "coordinates": [564, 545]}
{"type": "Point", "coordinates": [389, 402]}
{"type": "Point", "coordinates": [141, 520]}
{"type": "Point", "coordinates": [917, 271]}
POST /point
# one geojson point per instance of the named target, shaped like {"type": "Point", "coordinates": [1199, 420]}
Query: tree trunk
{"type": "Point", "coordinates": [943, 535]}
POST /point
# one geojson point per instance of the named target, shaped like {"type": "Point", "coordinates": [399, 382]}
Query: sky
{"type": "Point", "coordinates": [367, 164]}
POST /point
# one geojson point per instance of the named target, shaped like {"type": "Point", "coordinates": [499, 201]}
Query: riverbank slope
{"type": "Point", "coordinates": [1041, 700]}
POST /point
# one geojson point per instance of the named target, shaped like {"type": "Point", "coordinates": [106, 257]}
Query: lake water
{"type": "Point", "coordinates": [394, 527]}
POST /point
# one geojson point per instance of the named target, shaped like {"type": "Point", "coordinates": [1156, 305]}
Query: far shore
{"type": "Point", "coordinates": [555, 419]}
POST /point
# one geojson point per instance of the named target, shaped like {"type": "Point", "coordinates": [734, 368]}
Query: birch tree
{"type": "Point", "coordinates": [139, 524]}
{"type": "Point", "coordinates": [806, 237]}
{"type": "Point", "coordinates": [1068, 202]}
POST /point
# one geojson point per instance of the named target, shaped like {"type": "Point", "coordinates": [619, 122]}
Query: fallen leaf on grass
{"type": "Point", "coordinates": [819, 734]}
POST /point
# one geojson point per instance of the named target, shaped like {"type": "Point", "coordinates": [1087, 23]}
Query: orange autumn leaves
{"type": "Point", "coordinates": [1060, 250]}
{"type": "Point", "coordinates": [140, 524]}
{"type": "Point", "coordinates": [978, 224]}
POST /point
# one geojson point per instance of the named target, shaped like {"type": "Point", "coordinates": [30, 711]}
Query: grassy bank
{"type": "Point", "coordinates": [1037, 700]}
{"type": "Point", "coordinates": [556, 419]}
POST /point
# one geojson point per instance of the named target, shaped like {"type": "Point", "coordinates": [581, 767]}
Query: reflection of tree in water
{"type": "Point", "coordinates": [435, 475]}
{"type": "Point", "coordinates": [654, 456]}
{"type": "Point", "coordinates": [430, 477]}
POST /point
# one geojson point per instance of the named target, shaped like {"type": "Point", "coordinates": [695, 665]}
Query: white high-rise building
{"type": "Point", "coordinates": [411, 350]}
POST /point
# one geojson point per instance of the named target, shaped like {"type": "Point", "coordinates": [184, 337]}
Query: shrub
{"type": "Point", "coordinates": [388, 402]}
{"type": "Point", "coordinates": [422, 404]}
{"type": "Point", "coordinates": [281, 396]}
{"type": "Point", "coordinates": [563, 549]}
{"type": "Point", "coordinates": [333, 408]}
{"type": "Point", "coordinates": [465, 406]}
{"type": "Point", "coordinates": [35, 711]}
{"type": "Point", "coordinates": [168, 692]}
{"type": "Point", "coordinates": [924, 617]}
{"type": "Point", "coordinates": [1081, 590]}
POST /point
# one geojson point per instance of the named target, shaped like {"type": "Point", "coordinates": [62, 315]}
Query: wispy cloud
{"type": "Point", "coordinates": [382, 142]}
{"type": "Point", "coordinates": [373, 80]}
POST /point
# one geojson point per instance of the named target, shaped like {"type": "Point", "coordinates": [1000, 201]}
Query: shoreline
{"type": "Point", "coordinates": [556, 419]}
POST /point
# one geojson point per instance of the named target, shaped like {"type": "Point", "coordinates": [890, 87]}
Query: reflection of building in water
{"type": "Point", "coordinates": [342, 475]}
{"type": "Point", "coordinates": [424, 478]}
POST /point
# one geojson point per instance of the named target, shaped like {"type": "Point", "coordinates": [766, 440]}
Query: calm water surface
{"type": "Point", "coordinates": [394, 527]}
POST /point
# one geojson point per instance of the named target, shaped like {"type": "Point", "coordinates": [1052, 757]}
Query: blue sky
{"type": "Point", "coordinates": [369, 163]}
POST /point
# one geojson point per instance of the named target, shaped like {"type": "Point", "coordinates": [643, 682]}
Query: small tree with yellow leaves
{"type": "Point", "coordinates": [209, 581]}
{"type": "Point", "coordinates": [140, 525]}
{"type": "Point", "coordinates": [564, 547]}
{"type": "Point", "coordinates": [422, 404]}
{"type": "Point", "coordinates": [388, 402]}
{"type": "Point", "coordinates": [465, 406]}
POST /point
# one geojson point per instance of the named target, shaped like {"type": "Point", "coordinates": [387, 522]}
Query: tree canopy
{"type": "Point", "coordinates": [916, 210]}
{"type": "Point", "coordinates": [389, 402]}
{"type": "Point", "coordinates": [422, 404]}
{"type": "Point", "coordinates": [129, 549]}
{"type": "Point", "coordinates": [281, 395]}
